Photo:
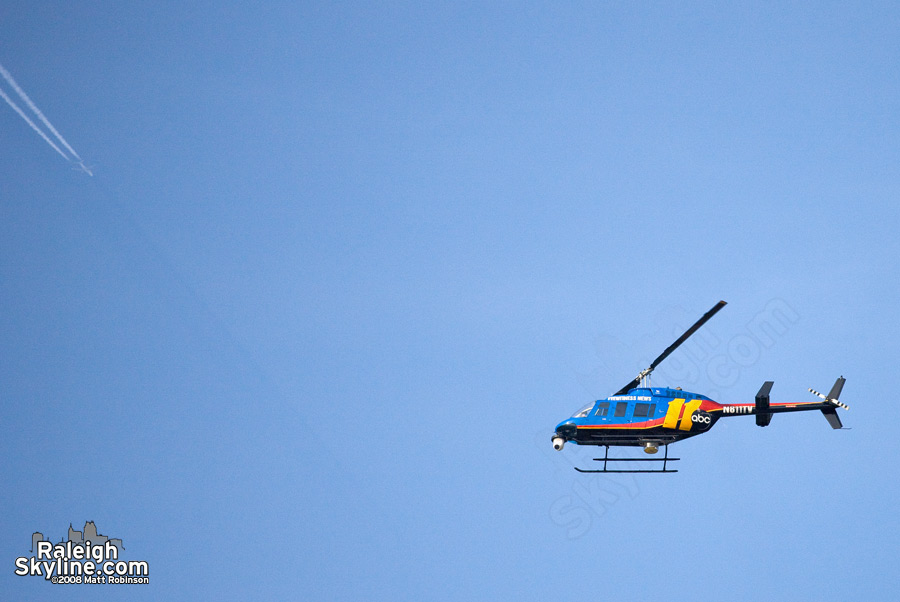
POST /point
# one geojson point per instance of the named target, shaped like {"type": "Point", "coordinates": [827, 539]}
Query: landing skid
{"type": "Point", "coordinates": [606, 459]}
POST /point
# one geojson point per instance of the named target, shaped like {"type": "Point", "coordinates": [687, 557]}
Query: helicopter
{"type": "Point", "coordinates": [640, 415]}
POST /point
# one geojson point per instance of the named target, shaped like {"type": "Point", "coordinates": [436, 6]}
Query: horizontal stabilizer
{"type": "Point", "coordinates": [763, 415]}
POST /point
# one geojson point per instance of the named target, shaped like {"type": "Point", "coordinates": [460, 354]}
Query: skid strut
{"type": "Point", "coordinates": [606, 459]}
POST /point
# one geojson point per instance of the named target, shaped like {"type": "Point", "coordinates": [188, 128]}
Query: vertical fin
{"type": "Point", "coordinates": [835, 392]}
{"type": "Point", "coordinates": [832, 417]}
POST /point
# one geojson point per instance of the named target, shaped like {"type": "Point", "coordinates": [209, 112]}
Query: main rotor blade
{"type": "Point", "coordinates": [672, 347]}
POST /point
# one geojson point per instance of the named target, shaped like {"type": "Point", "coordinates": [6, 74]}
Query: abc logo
{"type": "Point", "coordinates": [701, 418]}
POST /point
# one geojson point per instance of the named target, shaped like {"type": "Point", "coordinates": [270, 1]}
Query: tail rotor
{"type": "Point", "coordinates": [833, 395]}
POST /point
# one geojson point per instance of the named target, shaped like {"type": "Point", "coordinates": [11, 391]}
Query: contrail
{"type": "Point", "coordinates": [31, 123]}
{"type": "Point", "coordinates": [37, 111]}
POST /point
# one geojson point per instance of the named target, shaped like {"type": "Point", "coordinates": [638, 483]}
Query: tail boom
{"type": "Point", "coordinates": [763, 409]}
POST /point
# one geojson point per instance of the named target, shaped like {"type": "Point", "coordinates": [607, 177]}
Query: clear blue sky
{"type": "Point", "coordinates": [342, 269]}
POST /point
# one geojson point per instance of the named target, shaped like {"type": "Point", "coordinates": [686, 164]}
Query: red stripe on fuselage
{"type": "Point", "coordinates": [628, 425]}
{"type": "Point", "coordinates": [771, 405]}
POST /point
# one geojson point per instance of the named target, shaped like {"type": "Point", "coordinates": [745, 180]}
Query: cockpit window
{"type": "Point", "coordinates": [602, 409]}
{"type": "Point", "coordinates": [583, 411]}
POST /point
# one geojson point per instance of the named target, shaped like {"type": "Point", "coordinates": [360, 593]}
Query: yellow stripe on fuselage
{"type": "Point", "coordinates": [671, 420]}
{"type": "Point", "coordinates": [688, 411]}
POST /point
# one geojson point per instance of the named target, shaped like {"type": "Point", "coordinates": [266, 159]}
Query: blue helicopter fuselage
{"type": "Point", "coordinates": [645, 415]}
